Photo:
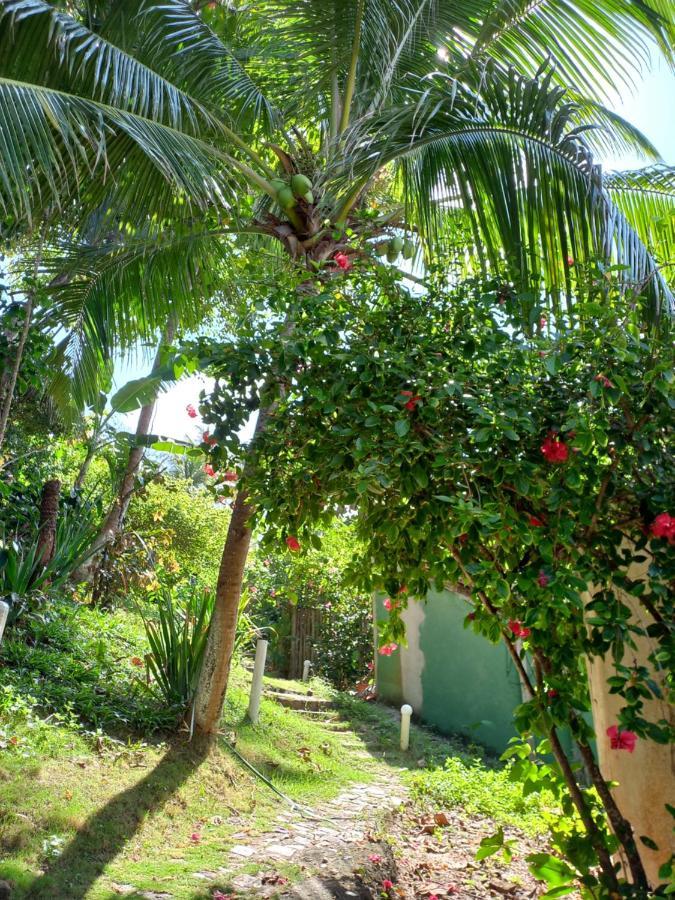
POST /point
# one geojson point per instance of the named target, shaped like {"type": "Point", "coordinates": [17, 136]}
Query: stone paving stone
{"type": "Point", "coordinates": [283, 851]}
{"type": "Point", "coordinates": [243, 850]}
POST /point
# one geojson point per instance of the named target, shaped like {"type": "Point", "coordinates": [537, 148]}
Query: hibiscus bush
{"type": "Point", "coordinates": [519, 451]}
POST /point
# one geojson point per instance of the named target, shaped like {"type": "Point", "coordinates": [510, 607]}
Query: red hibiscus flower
{"type": "Point", "coordinates": [570, 260]}
{"type": "Point", "coordinates": [403, 589]}
{"type": "Point", "coordinates": [621, 740]}
{"type": "Point", "coordinates": [663, 526]}
{"type": "Point", "coordinates": [375, 858]}
{"type": "Point", "coordinates": [210, 471]}
{"type": "Point", "coordinates": [370, 666]}
{"type": "Point", "coordinates": [543, 322]}
{"type": "Point", "coordinates": [553, 449]}
{"type": "Point", "coordinates": [230, 476]}
{"type": "Point", "coordinates": [388, 649]}
{"type": "Point", "coordinates": [543, 579]}
{"type": "Point", "coordinates": [387, 885]}
{"type": "Point", "coordinates": [413, 400]}
{"type": "Point", "coordinates": [603, 380]}
{"type": "Point", "coordinates": [518, 629]}
{"type": "Point", "coordinates": [343, 261]}
{"type": "Point", "coordinates": [195, 837]}
{"type": "Point", "coordinates": [292, 543]}
{"type": "Point", "coordinates": [552, 694]}
{"type": "Point", "coordinates": [388, 605]}
{"type": "Point", "coordinates": [209, 439]}
{"type": "Point", "coordinates": [191, 411]}
{"type": "Point", "coordinates": [471, 616]}
{"type": "Point", "coordinates": [536, 522]}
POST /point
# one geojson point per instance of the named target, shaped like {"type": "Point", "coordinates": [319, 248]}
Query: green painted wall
{"type": "Point", "coordinates": [466, 684]}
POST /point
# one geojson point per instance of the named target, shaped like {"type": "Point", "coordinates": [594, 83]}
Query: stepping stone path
{"type": "Point", "coordinates": [322, 840]}
{"type": "Point", "coordinates": [329, 840]}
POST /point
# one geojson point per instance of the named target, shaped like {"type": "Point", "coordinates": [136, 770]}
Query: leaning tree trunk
{"type": "Point", "coordinates": [215, 671]}
{"type": "Point", "coordinates": [115, 518]}
{"type": "Point", "coordinates": [49, 515]}
{"type": "Point", "coordinates": [9, 383]}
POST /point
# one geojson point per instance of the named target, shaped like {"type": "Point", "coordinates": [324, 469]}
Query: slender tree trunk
{"type": "Point", "coordinates": [84, 468]}
{"type": "Point", "coordinates": [9, 384]}
{"type": "Point", "coordinates": [215, 671]}
{"type": "Point", "coordinates": [115, 518]}
{"type": "Point", "coordinates": [49, 515]}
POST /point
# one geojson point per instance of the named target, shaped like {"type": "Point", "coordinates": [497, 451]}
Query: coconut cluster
{"type": "Point", "coordinates": [395, 247]}
{"type": "Point", "coordinates": [288, 193]}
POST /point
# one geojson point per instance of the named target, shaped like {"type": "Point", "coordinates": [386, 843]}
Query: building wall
{"type": "Point", "coordinates": [452, 678]}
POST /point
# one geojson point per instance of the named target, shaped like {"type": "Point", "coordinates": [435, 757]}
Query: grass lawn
{"type": "Point", "coordinates": [87, 808]}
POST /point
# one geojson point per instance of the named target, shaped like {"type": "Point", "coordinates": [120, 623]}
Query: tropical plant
{"type": "Point", "coordinates": [176, 629]}
{"type": "Point", "coordinates": [322, 134]}
{"type": "Point", "coordinates": [23, 575]}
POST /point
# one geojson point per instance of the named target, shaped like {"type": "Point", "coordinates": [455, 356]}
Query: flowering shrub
{"type": "Point", "coordinates": [523, 465]}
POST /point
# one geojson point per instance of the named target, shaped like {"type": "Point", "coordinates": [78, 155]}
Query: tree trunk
{"type": "Point", "coordinates": [115, 518]}
{"type": "Point", "coordinates": [9, 383]}
{"type": "Point", "coordinates": [49, 514]}
{"type": "Point", "coordinates": [78, 484]}
{"type": "Point", "coordinates": [215, 671]}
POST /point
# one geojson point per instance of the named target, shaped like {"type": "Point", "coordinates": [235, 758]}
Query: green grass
{"type": "Point", "coordinates": [87, 800]}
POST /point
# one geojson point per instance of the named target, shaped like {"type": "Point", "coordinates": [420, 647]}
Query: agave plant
{"type": "Point", "coordinates": [319, 134]}
{"type": "Point", "coordinates": [23, 577]}
{"type": "Point", "coordinates": [177, 637]}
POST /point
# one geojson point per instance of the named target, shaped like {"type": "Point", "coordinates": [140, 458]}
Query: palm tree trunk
{"type": "Point", "coordinates": [115, 518]}
{"type": "Point", "coordinates": [215, 671]}
{"type": "Point", "coordinates": [49, 514]}
{"type": "Point", "coordinates": [9, 385]}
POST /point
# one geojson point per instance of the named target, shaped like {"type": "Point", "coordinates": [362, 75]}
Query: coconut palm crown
{"type": "Point", "coordinates": [326, 126]}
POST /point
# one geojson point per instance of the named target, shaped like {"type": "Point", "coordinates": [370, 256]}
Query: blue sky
{"type": "Point", "coordinates": [650, 106]}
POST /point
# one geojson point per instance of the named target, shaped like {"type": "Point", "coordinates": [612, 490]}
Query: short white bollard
{"type": "Point", "coordinates": [257, 682]}
{"type": "Point", "coordinates": [305, 670]}
{"type": "Point", "coordinates": [4, 612]}
{"type": "Point", "coordinates": [406, 712]}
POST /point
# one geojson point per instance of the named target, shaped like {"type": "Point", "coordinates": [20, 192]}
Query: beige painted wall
{"type": "Point", "coordinates": [646, 777]}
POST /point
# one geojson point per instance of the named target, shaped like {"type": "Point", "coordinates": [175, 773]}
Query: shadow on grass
{"type": "Point", "coordinates": [105, 834]}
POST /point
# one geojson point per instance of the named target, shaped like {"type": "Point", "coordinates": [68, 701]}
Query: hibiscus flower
{"type": "Point", "coordinates": [621, 740]}
{"type": "Point", "coordinates": [553, 449]}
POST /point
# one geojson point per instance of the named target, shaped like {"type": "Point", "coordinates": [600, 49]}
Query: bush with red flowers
{"type": "Point", "coordinates": [474, 448]}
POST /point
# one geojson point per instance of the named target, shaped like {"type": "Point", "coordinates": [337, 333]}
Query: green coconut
{"type": "Point", "coordinates": [300, 184]}
{"type": "Point", "coordinates": [381, 249]}
{"type": "Point", "coordinates": [285, 198]}
{"type": "Point", "coordinates": [392, 255]}
{"type": "Point", "coordinates": [278, 184]}
{"type": "Point", "coordinates": [308, 197]}
{"type": "Point", "coordinates": [408, 249]}
{"type": "Point", "coordinates": [396, 243]}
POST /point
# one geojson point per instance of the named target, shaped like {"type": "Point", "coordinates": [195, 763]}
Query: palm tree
{"type": "Point", "coordinates": [186, 125]}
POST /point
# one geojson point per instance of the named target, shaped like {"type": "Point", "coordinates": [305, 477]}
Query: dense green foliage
{"type": "Point", "coordinates": [520, 461]}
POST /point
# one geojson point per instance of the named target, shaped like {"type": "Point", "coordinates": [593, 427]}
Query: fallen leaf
{"type": "Point", "coordinates": [441, 818]}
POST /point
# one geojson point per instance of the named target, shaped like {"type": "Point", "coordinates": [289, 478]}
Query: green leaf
{"type": "Point", "coordinates": [490, 845]}
{"type": "Point", "coordinates": [402, 427]}
{"type": "Point", "coordinates": [550, 869]}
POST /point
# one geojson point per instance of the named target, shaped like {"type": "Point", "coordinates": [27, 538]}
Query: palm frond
{"type": "Point", "coordinates": [647, 199]}
{"type": "Point", "coordinates": [176, 40]}
{"type": "Point", "coordinates": [596, 47]}
{"type": "Point", "coordinates": [505, 149]}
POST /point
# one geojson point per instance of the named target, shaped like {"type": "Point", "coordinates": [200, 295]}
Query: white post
{"type": "Point", "coordinates": [4, 612]}
{"type": "Point", "coordinates": [406, 712]}
{"type": "Point", "coordinates": [305, 670]}
{"type": "Point", "coordinates": [257, 682]}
